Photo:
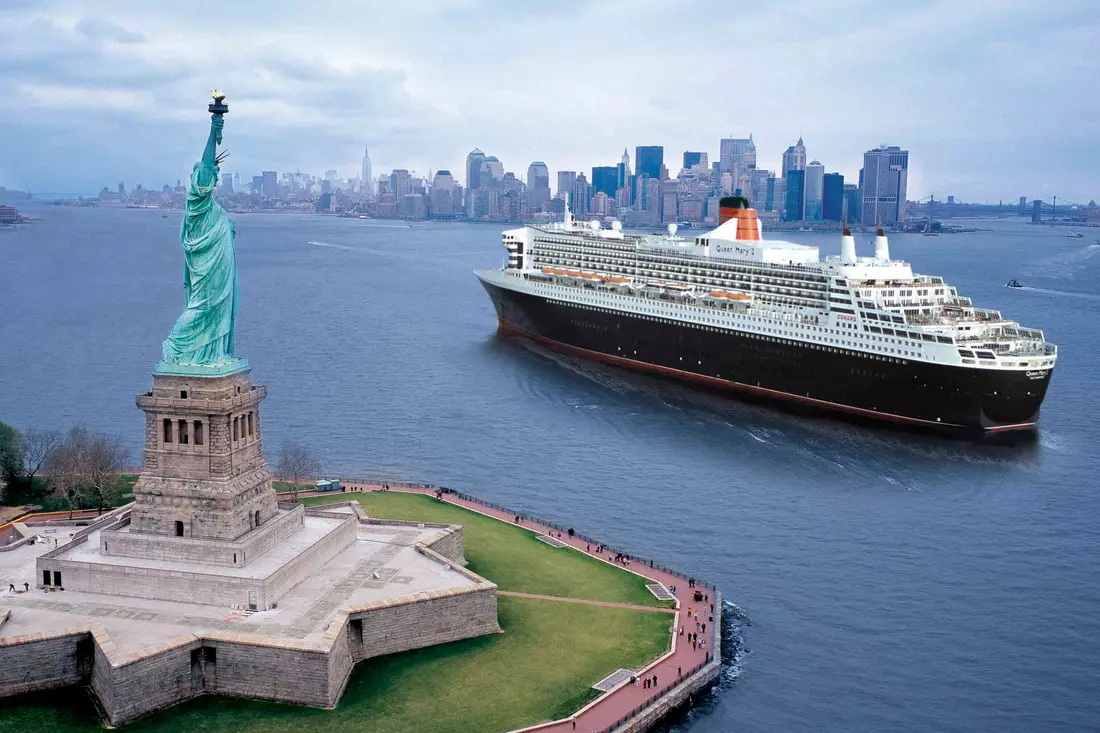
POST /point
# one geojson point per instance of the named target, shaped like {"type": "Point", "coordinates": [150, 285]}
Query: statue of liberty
{"type": "Point", "coordinates": [203, 334]}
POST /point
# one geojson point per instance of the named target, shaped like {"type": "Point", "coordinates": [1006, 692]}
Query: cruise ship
{"type": "Point", "coordinates": [861, 334]}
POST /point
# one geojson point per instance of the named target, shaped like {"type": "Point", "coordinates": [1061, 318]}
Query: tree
{"type": "Point", "coordinates": [11, 453]}
{"type": "Point", "coordinates": [297, 463]}
{"type": "Point", "coordinates": [37, 447]}
{"type": "Point", "coordinates": [86, 465]}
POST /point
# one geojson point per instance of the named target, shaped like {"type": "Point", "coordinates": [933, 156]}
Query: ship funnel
{"type": "Point", "coordinates": [882, 247]}
{"type": "Point", "coordinates": [847, 246]}
{"type": "Point", "coordinates": [737, 207]}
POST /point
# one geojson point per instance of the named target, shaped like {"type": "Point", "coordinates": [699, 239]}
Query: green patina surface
{"type": "Point", "coordinates": [541, 668]}
{"type": "Point", "coordinates": [202, 340]}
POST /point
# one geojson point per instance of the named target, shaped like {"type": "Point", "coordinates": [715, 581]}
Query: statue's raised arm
{"type": "Point", "coordinates": [203, 334]}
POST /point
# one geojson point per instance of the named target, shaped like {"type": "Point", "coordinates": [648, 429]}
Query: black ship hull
{"type": "Point", "coordinates": [903, 391]}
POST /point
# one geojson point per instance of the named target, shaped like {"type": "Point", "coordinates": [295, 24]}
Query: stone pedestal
{"type": "Point", "coordinates": [205, 476]}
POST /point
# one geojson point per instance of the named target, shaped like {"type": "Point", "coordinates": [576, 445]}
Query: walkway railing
{"type": "Point", "coordinates": [655, 697]}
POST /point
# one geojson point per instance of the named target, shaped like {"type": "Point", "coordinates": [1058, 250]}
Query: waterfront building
{"type": "Point", "coordinates": [796, 196]}
{"type": "Point", "coordinates": [624, 170]}
{"type": "Point", "coordinates": [853, 202]}
{"type": "Point", "coordinates": [400, 183]}
{"type": "Point", "coordinates": [885, 174]}
{"type": "Point", "coordinates": [605, 178]}
{"type": "Point", "coordinates": [579, 200]}
{"type": "Point", "coordinates": [832, 197]}
{"type": "Point", "coordinates": [443, 194]}
{"type": "Point", "coordinates": [692, 160]}
{"type": "Point", "coordinates": [473, 174]}
{"type": "Point", "coordinates": [566, 179]}
{"type": "Point", "coordinates": [365, 173]}
{"type": "Point", "coordinates": [669, 199]}
{"type": "Point", "coordinates": [794, 158]}
{"type": "Point", "coordinates": [648, 160]}
{"type": "Point", "coordinates": [492, 172]}
{"type": "Point", "coordinates": [814, 191]}
{"type": "Point", "coordinates": [538, 185]}
{"type": "Point", "coordinates": [269, 184]}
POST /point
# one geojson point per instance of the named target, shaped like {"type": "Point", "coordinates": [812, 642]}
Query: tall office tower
{"type": "Point", "coordinates": [779, 196]}
{"type": "Point", "coordinates": [443, 194]}
{"type": "Point", "coordinates": [814, 190]}
{"type": "Point", "coordinates": [652, 200]}
{"type": "Point", "coordinates": [624, 170]}
{"type": "Point", "coordinates": [669, 194]}
{"type": "Point", "coordinates": [648, 159]}
{"type": "Point", "coordinates": [794, 159]}
{"type": "Point", "coordinates": [566, 179]}
{"type": "Point", "coordinates": [692, 159]}
{"type": "Point", "coordinates": [605, 178]}
{"type": "Point", "coordinates": [1023, 201]}
{"type": "Point", "coordinates": [270, 185]}
{"type": "Point", "coordinates": [832, 197]}
{"type": "Point", "coordinates": [579, 200]}
{"type": "Point", "coordinates": [736, 152]}
{"type": "Point", "coordinates": [759, 188]}
{"type": "Point", "coordinates": [538, 186]}
{"type": "Point", "coordinates": [795, 209]}
{"type": "Point", "coordinates": [885, 174]}
{"type": "Point", "coordinates": [473, 173]}
{"type": "Point", "coordinates": [365, 174]}
{"type": "Point", "coordinates": [400, 183]}
{"type": "Point", "coordinates": [491, 173]}
{"type": "Point", "coordinates": [853, 199]}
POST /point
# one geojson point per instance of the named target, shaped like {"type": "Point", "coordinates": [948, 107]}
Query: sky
{"type": "Point", "coordinates": [994, 99]}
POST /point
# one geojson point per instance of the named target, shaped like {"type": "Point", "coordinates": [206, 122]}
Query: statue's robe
{"type": "Point", "coordinates": [203, 334]}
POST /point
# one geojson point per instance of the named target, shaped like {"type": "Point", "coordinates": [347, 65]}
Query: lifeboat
{"type": "Point", "coordinates": [717, 294]}
{"type": "Point", "coordinates": [739, 296]}
{"type": "Point", "coordinates": [655, 284]}
{"type": "Point", "coordinates": [549, 271]}
{"type": "Point", "coordinates": [573, 273]}
{"type": "Point", "coordinates": [590, 276]}
{"type": "Point", "coordinates": [616, 280]}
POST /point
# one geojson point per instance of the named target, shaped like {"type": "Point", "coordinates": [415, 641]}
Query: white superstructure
{"type": "Point", "coordinates": [731, 279]}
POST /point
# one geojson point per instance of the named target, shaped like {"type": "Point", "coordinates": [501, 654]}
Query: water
{"type": "Point", "coordinates": [887, 580]}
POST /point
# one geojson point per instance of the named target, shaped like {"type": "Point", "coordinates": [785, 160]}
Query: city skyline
{"type": "Point", "coordinates": [311, 97]}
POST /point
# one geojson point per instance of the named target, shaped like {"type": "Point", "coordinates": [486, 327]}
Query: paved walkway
{"type": "Point", "coordinates": [612, 706]}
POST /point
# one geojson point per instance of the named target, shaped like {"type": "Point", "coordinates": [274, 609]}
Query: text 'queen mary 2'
{"type": "Point", "coordinates": [863, 335]}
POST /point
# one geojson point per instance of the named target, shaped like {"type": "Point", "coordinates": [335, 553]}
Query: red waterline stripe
{"type": "Point", "coordinates": [612, 359]}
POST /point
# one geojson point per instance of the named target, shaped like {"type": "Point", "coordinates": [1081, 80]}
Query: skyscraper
{"type": "Point", "coordinates": [832, 198]}
{"type": "Point", "coordinates": [400, 183]}
{"type": "Point", "coordinates": [492, 172]}
{"type": "Point", "coordinates": [736, 152]}
{"type": "Point", "coordinates": [473, 168]}
{"type": "Point", "coordinates": [538, 185]}
{"type": "Point", "coordinates": [693, 159]}
{"type": "Point", "coordinates": [885, 174]}
{"type": "Point", "coordinates": [605, 178]}
{"type": "Point", "coordinates": [648, 160]}
{"type": "Point", "coordinates": [365, 174]}
{"type": "Point", "coordinates": [624, 170]}
{"type": "Point", "coordinates": [270, 184]}
{"type": "Point", "coordinates": [794, 159]}
{"type": "Point", "coordinates": [814, 190]}
{"type": "Point", "coordinates": [579, 200]}
{"type": "Point", "coordinates": [443, 190]}
{"type": "Point", "coordinates": [796, 196]}
{"type": "Point", "coordinates": [566, 179]}
{"type": "Point", "coordinates": [853, 202]}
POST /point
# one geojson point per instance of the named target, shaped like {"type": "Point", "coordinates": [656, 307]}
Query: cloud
{"type": "Point", "coordinates": [992, 99]}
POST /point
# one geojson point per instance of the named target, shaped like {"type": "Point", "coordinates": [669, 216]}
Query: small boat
{"type": "Point", "coordinates": [1013, 283]}
{"type": "Point", "coordinates": [1075, 235]}
{"type": "Point", "coordinates": [164, 216]}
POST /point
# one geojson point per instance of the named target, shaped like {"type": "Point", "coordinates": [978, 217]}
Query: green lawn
{"type": "Point", "coordinates": [508, 555]}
